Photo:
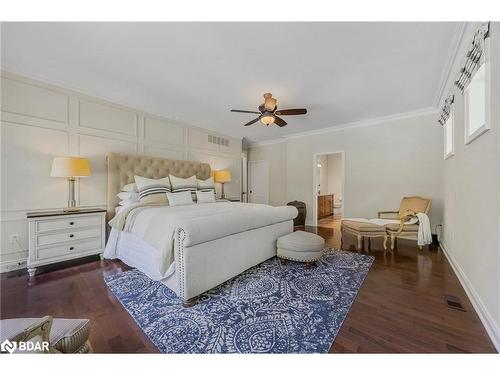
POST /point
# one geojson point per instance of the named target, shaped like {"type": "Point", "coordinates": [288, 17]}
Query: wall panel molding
{"type": "Point", "coordinates": [40, 120]}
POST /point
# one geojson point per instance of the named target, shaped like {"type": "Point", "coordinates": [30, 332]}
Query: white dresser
{"type": "Point", "coordinates": [57, 236]}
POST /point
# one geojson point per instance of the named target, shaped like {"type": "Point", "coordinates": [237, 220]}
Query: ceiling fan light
{"type": "Point", "coordinates": [267, 119]}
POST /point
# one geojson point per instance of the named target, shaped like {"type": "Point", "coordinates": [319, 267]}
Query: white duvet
{"type": "Point", "coordinates": [205, 222]}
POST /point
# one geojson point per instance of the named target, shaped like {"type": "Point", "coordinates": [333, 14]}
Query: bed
{"type": "Point", "coordinates": [193, 248]}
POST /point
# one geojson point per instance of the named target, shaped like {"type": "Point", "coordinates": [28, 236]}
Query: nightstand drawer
{"type": "Point", "coordinates": [68, 223]}
{"type": "Point", "coordinates": [50, 239]}
{"type": "Point", "coordinates": [68, 249]}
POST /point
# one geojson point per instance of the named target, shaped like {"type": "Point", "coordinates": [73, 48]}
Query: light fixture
{"type": "Point", "coordinates": [267, 119]}
{"type": "Point", "coordinates": [222, 177]}
{"type": "Point", "coordinates": [70, 168]}
{"type": "Point", "coordinates": [319, 165]}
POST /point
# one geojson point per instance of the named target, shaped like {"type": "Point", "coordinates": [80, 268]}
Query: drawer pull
{"type": "Point", "coordinates": [72, 235]}
{"type": "Point", "coordinates": [71, 223]}
{"type": "Point", "coordinates": [72, 248]}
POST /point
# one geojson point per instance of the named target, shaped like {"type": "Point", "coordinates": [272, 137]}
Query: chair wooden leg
{"type": "Point", "coordinates": [341, 238]}
{"type": "Point", "coordinates": [369, 244]}
{"type": "Point", "coordinates": [308, 265]}
{"type": "Point", "coordinates": [283, 261]}
{"type": "Point", "coordinates": [385, 242]}
{"type": "Point", "coordinates": [395, 243]}
{"type": "Point", "coordinates": [420, 247]}
{"type": "Point", "coordinates": [392, 242]}
{"type": "Point", "coordinates": [360, 242]}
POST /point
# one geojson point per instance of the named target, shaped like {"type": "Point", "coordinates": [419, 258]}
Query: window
{"type": "Point", "coordinates": [476, 97]}
{"type": "Point", "coordinates": [449, 141]}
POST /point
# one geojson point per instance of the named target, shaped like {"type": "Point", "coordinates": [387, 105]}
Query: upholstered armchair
{"type": "Point", "coordinates": [63, 335]}
{"type": "Point", "coordinates": [406, 228]}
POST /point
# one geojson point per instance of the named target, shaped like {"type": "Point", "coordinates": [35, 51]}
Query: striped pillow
{"type": "Point", "coordinates": [183, 184]}
{"type": "Point", "coordinates": [152, 191]}
{"type": "Point", "coordinates": [206, 185]}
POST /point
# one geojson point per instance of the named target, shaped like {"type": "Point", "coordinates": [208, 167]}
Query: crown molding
{"type": "Point", "coordinates": [351, 125]}
{"type": "Point", "coordinates": [456, 55]}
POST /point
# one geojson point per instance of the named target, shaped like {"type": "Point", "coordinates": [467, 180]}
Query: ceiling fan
{"type": "Point", "coordinates": [268, 113]}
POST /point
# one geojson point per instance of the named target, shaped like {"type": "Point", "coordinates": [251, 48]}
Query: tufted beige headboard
{"type": "Point", "coordinates": [122, 168]}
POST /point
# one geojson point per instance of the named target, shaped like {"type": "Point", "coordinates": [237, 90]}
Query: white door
{"type": "Point", "coordinates": [258, 181]}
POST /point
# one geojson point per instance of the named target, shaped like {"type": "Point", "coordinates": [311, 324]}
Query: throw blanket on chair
{"type": "Point", "coordinates": [424, 229]}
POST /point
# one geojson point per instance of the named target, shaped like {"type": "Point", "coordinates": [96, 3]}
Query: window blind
{"type": "Point", "coordinates": [475, 56]}
{"type": "Point", "coordinates": [446, 110]}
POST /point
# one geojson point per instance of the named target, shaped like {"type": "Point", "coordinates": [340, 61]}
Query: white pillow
{"type": "Point", "coordinates": [206, 185]}
{"type": "Point", "coordinates": [180, 199]}
{"type": "Point", "coordinates": [151, 190]}
{"type": "Point", "coordinates": [130, 188]}
{"type": "Point", "coordinates": [183, 184]}
{"type": "Point", "coordinates": [127, 196]}
{"type": "Point", "coordinates": [205, 196]}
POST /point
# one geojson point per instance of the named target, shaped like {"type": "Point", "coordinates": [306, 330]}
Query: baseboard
{"type": "Point", "coordinates": [481, 310]}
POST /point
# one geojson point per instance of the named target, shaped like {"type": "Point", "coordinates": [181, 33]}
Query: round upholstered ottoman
{"type": "Point", "coordinates": [301, 247]}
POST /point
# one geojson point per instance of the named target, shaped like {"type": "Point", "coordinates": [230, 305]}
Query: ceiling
{"type": "Point", "coordinates": [197, 72]}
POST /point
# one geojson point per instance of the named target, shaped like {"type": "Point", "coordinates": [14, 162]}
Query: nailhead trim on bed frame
{"type": "Point", "coordinates": [181, 236]}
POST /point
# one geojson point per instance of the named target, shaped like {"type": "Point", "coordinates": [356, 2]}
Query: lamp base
{"type": "Point", "coordinates": [222, 195]}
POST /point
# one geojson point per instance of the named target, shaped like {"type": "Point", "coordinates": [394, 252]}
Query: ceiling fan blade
{"type": "Point", "coordinates": [295, 111]}
{"type": "Point", "coordinates": [279, 121]}
{"type": "Point", "coordinates": [252, 122]}
{"type": "Point", "coordinates": [241, 111]}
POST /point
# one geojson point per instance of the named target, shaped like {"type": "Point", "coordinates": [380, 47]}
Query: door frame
{"type": "Point", "coordinates": [315, 183]}
{"type": "Point", "coordinates": [266, 163]}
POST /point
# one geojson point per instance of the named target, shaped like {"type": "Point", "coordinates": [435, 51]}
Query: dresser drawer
{"type": "Point", "coordinates": [68, 249]}
{"type": "Point", "coordinates": [68, 235]}
{"type": "Point", "coordinates": [68, 223]}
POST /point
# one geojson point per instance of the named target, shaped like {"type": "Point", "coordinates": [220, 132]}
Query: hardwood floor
{"type": "Point", "coordinates": [399, 309]}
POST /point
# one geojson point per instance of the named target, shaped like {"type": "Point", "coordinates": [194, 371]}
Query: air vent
{"type": "Point", "coordinates": [453, 302]}
{"type": "Point", "coordinates": [218, 140]}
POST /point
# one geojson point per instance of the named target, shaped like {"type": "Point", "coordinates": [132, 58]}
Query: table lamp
{"type": "Point", "coordinates": [70, 167]}
{"type": "Point", "coordinates": [222, 177]}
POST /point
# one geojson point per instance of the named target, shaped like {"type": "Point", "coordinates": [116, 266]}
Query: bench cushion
{"type": "Point", "coordinates": [360, 226]}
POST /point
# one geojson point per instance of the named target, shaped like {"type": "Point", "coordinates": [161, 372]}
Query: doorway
{"type": "Point", "coordinates": [328, 189]}
{"type": "Point", "coordinates": [258, 181]}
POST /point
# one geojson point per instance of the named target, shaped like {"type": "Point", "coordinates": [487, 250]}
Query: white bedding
{"type": "Point", "coordinates": [156, 225]}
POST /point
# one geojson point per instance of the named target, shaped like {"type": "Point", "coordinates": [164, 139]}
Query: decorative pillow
{"type": "Point", "coordinates": [130, 188]}
{"type": "Point", "coordinates": [183, 184]}
{"type": "Point", "coordinates": [205, 196]}
{"type": "Point", "coordinates": [180, 198]}
{"type": "Point", "coordinates": [206, 185]}
{"type": "Point", "coordinates": [127, 202]}
{"type": "Point", "coordinates": [127, 196]}
{"type": "Point", "coordinates": [152, 191]}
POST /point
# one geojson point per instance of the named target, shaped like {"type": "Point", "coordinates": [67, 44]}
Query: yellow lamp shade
{"type": "Point", "coordinates": [222, 176]}
{"type": "Point", "coordinates": [70, 167]}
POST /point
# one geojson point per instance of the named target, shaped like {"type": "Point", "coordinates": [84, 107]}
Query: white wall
{"type": "Point", "coordinates": [39, 121]}
{"type": "Point", "coordinates": [383, 163]}
{"type": "Point", "coordinates": [472, 205]}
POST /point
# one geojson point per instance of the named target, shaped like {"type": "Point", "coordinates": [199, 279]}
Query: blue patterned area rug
{"type": "Point", "coordinates": [270, 308]}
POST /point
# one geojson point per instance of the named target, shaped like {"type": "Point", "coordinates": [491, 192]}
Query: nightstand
{"type": "Point", "coordinates": [56, 236]}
